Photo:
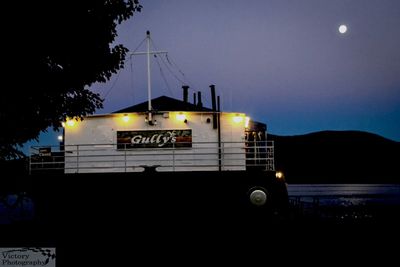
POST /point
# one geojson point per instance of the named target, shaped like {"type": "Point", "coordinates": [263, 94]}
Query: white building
{"type": "Point", "coordinates": [176, 136]}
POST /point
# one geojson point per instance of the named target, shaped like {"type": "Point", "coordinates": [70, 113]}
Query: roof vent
{"type": "Point", "coordinates": [185, 93]}
{"type": "Point", "coordinates": [199, 103]}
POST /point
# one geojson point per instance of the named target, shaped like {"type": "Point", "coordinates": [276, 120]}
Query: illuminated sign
{"type": "Point", "coordinates": [45, 151]}
{"type": "Point", "coordinates": [154, 139]}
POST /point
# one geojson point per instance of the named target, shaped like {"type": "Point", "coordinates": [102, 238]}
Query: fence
{"type": "Point", "coordinates": [196, 156]}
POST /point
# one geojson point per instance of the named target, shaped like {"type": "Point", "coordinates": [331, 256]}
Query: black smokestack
{"type": "Point", "coordinates": [194, 98]}
{"type": "Point", "coordinates": [213, 100]}
{"type": "Point", "coordinates": [185, 93]}
{"type": "Point", "coordinates": [199, 103]}
{"type": "Point", "coordinates": [214, 106]}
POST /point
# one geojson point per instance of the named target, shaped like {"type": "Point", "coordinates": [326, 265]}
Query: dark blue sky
{"type": "Point", "coordinates": [283, 62]}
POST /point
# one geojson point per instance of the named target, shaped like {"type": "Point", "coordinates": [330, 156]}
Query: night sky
{"type": "Point", "coordinates": [282, 62]}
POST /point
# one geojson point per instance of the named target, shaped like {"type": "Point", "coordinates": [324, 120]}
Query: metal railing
{"type": "Point", "coordinates": [194, 156]}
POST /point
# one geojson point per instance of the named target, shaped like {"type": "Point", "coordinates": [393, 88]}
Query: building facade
{"type": "Point", "coordinates": [174, 136]}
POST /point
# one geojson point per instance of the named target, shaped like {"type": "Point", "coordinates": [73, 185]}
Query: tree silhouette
{"type": "Point", "coordinates": [54, 50]}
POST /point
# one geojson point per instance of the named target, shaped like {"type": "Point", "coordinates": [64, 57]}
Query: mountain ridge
{"type": "Point", "coordinates": [339, 132]}
{"type": "Point", "coordinates": [337, 156]}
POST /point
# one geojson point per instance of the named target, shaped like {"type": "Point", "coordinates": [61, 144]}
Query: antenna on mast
{"type": "Point", "coordinates": [148, 53]}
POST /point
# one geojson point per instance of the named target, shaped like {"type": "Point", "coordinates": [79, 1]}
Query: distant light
{"type": "Point", "coordinates": [342, 29]}
{"type": "Point", "coordinates": [279, 175]}
{"type": "Point", "coordinates": [60, 138]}
{"type": "Point", "coordinates": [63, 124]}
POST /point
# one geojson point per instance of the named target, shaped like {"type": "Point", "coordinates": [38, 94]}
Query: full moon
{"type": "Point", "coordinates": [343, 29]}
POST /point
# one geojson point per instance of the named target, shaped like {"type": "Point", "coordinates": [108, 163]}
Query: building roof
{"type": "Point", "coordinates": [164, 103]}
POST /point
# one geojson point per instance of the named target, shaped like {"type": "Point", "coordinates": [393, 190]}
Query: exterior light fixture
{"type": "Point", "coordinates": [125, 118]}
{"type": "Point", "coordinates": [71, 122]}
{"type": "Point", "coordinates": [181, 117]}
{"type": "Point", "coordinates": [60, 138]}
{"type": "Point", "coordinates": [150, 121]}
{"type": "Point", "coordinates": [246, 122]}
{"type": "Point", "coordinates": [238, 119]}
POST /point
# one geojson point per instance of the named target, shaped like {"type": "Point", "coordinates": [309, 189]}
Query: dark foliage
{"type": "Point", "coordinates": [54, 50]}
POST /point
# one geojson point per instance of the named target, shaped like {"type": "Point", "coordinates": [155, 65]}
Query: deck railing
{"type": "Point", "coordinates": [194, 156]}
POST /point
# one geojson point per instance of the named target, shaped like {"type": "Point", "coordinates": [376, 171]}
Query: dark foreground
{"type": "Point", "coordinates": [119, 218]}
{"type": "Point", "coordinates": [123, 203]}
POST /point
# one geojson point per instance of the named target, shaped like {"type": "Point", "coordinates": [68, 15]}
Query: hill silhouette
{"type": "Point", "coordinates": [337, 157]}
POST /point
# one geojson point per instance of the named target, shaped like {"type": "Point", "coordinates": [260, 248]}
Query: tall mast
{"type": "Point", "coordinates": [148, 53]}
{"type": "Point", "coordinates": [148, 72]}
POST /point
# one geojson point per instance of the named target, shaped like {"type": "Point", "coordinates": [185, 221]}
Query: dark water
{"type": "Point", "coordinates": [334, 202]}
{"type": "Point", "coordinates": [16, 208]}
{"type": "Point", "coordinates": [345, 202]}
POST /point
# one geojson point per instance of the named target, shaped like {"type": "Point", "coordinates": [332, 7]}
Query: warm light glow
{"type": "Point", "coordinates": [238, 119]}
{"type": "Point", "coordinates": [246, 122]}
{"type": "Point", "coordinates": [60, 138]}
{"type": "Point", "coordinates": [279, 175]}
{"type": "Point", "coordinates": [70, 122]}
{"type": "Point", "coordinates": [125, 118]}
{"type": "Point", "coordinates": [342, 29]}
{"type": "Point", "coordinates": [180, 117]}
{"type": "Point", "coordinates": [63, 124]}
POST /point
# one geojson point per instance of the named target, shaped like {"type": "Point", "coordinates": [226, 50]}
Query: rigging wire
{"type": "Point", "coordinates": [119, 71]}
{"type": "Point", "coordinates": [112, 86]}
{"type": "Point", "coordinates": [172, 73]}
{"type": "Point", "coordinates": [182, 81]}
{"type": "Point", "coordinates": [131, 78]}
{"type": "Point", "coordinates": [138, 46]}
{"type": "Point", "coordinates": [169, 64]}
{"type": "Point", "coordinates": [163, 76]}
{"type": "Point", "coordinates": [174, 64]}
{"type": "Point", "coordinates": [185, 80]}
